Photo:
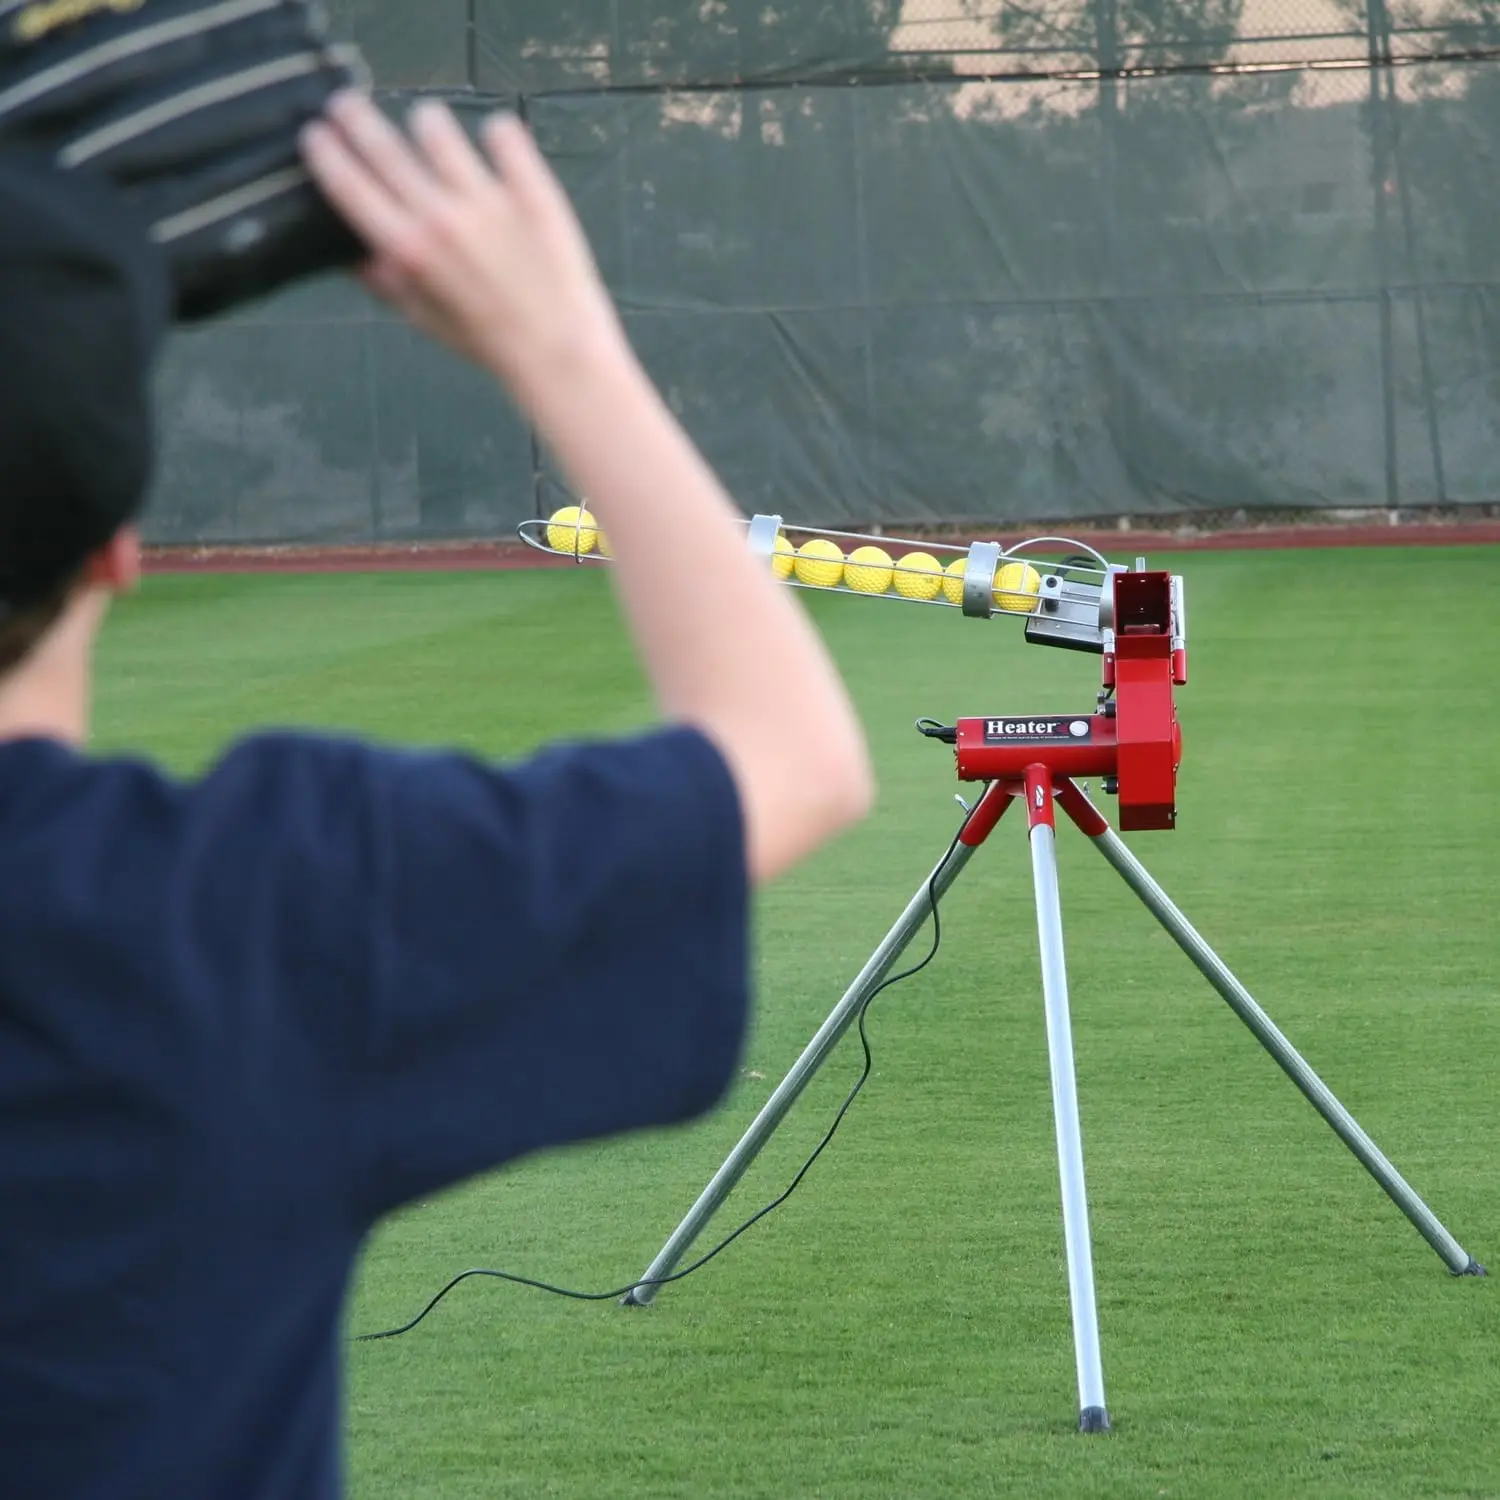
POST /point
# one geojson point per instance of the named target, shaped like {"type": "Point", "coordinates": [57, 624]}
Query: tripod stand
{"type": "Point", "coordinates": [1133, 741]}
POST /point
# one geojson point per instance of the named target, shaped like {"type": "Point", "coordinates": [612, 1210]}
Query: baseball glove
{"type": "Point", "coordinates": [191, 109]}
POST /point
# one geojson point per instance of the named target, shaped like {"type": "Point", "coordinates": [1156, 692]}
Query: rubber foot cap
{"type": "Point", "coordinates": [1473, 1269]}
{"type": "Point", "coordinates": [1093, 1419]}
{"type": "Point", "coordinates": [633, 1299]}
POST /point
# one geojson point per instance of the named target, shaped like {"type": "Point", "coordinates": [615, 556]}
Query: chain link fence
{"type": "Point", "coordinates": [928, 260]}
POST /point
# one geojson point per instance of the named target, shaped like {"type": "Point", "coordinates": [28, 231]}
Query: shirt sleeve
{"type": "Point", "coordinates": [559, 952]}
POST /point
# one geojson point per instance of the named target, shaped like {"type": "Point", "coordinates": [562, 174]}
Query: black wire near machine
{"type": "Point", "coordinates": [624, 1291]}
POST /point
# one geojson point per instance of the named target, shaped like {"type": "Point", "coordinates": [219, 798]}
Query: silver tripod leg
{"type": "Point", "coordinates": [1092, 1414]}
{"type": "Point", "coordinates": [1317, 1093]}
{"type": "Point", "coordinates": [813, 1057]}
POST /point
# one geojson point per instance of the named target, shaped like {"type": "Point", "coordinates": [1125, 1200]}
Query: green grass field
{"type": "Point", "coordinates": [1271, 1325]}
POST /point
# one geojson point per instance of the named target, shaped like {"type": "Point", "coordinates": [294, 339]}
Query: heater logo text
{"type": "Point", "coordinates": [1066, 731]}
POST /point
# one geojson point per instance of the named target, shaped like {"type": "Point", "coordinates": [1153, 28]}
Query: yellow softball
{"type": "Point", "coordinates": [1017, 586]}
{"type": "Point", "coordinates": [572, 529]}
{"type": "Point", "coordinates": [868, 570]}
{"type": "Point", "coordinates": [953, 582]}
{"type": "Point", "coordinates": [820, 563]}
{"type": "Point", "coordinates": [919, 575]}
{"type": "Point", "coordinates": [784, 558]}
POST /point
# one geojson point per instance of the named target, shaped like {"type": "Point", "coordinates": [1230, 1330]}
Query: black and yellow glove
{"type": "Point", "coordinates": [191, 109]}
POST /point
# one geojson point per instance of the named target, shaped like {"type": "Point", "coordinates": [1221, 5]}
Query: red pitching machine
{"type": "Point", "coordinates": [1133, 742]}
{"type": "Point", "coordinates": [1136, 620]}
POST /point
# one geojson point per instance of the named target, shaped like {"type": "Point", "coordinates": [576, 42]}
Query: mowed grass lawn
{"type": "Point", "coordinates": [1271, 1325]}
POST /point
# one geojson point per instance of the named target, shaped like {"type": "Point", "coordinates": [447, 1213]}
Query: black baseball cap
{"type": "Point", "coordinates": [84, 305]}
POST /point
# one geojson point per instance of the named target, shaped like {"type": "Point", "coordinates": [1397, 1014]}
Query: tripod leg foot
{"type": "Point", "coordinates": [1065, 1098]}
{"type": "Point", "coordinates": [1093, 1419]}
{"type": "Point", "coordinates": [1243, 1003]}
{"type": "Point", "coordinates": [845, 1014]}
{"type": "Point", "coordinates": [1472, 1269]}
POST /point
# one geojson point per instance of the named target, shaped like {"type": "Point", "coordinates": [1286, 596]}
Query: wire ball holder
{"type": "Point", "coordinates": [1070, 605]}
{"type": "Point", "coordinates": [1135, 619]}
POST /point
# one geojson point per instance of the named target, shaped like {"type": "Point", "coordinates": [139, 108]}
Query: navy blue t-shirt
{"type": "Point", "coordinates": [243, 1018]}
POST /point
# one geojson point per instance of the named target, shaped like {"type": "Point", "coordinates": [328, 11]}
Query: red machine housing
{"type": "Point", "coordinates": [1136, 739]}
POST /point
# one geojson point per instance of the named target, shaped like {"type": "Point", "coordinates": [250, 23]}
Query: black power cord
{"type": "Point", "coordinates": [728, 1240]}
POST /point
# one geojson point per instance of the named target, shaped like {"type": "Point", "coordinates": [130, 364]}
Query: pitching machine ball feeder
{"type": "Point", "coordinates": [1135, 620]}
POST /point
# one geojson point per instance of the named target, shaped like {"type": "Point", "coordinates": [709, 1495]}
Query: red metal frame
{"type": "Point", "coordinates": [1136, 740]}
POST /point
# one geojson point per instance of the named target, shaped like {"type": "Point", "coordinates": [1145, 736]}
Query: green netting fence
{"type": "Point", "coordinates": [927, 260]}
